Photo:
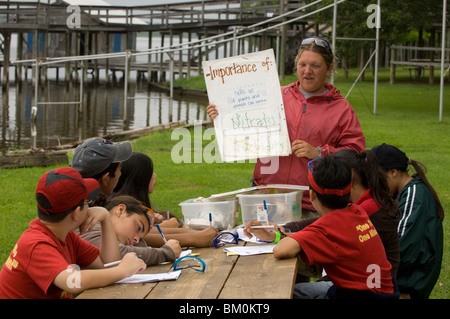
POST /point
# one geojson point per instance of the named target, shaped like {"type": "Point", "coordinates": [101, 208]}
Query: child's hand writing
{"type": "Point", "coordinates": [261, 233]}
{"type": "Point", "coordinates": [131, 264]}
{"type": "Point", "coordinates": [175, 246]}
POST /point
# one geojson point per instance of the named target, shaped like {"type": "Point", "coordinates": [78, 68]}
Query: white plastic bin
{"type": "Point", "coordinates": [196, 213]}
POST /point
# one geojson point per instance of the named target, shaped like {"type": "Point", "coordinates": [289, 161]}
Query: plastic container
{"type": "Point", "coordinates": [282, 207]}
{"type": "Point", "coordinates": [196, 213]}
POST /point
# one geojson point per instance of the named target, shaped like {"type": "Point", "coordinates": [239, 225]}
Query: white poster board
{"type": "Point", "coordinates": [246, 92]}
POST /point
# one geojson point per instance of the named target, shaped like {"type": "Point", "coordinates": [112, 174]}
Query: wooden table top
{"type": "Point", "coordinates": [225, 277]}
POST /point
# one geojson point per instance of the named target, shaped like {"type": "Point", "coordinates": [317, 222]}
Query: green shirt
{"type": "Point", "coordinates": [421, 240]}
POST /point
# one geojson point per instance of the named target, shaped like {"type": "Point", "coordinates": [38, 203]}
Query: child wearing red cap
{"type": "Point", "coordinates": [46, 261]}
{"type": "Point", "coordinates": [343, 241]}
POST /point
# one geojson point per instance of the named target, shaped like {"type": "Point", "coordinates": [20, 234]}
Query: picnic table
{"type": "Point", "coordinates": [225, 277]}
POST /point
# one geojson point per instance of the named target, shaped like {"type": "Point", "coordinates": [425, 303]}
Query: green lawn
{"type": "Point", "coordinates": [407, 116]}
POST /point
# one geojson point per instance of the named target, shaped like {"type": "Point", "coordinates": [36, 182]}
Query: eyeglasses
{"type": "Point", "coordinates": [151, 211]}
{"type": "Point", "coordinates": [150, 214]}
{"type": "Point", "coordinates": [319, 41]}
{"type": "Point", "coordinates": [225, 238]}
{"type": "Point", "coordinates": [310, 163]}
{"type": "Point", "coordinates": [189, 262]}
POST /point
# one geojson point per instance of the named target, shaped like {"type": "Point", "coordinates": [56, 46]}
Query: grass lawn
{"type": "Point", "coordinates": [407, 116]}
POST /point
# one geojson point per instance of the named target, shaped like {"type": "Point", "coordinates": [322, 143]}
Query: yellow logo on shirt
{"type": "Point", "coordinates": [11, 263]}
{"type": "Point", "coordinates": [367, 226]}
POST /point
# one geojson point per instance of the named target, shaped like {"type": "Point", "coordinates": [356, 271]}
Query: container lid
{"type": "Point", "coordinates": [270, 186]}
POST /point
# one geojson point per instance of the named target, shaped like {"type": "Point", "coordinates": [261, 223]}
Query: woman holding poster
{"type": "Point", "coordinates": [320, 121]}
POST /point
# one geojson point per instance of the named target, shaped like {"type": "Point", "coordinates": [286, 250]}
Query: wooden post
{"type": "Point", "coordinates": [96, 72]}
{"type": "Point", "coordinates": [6, 56]}
{"type": "Point", "coordinates": [107, 60]}
{"type": "Point", "coordinates": [161, 63]}
{"type": "Point", "coordinates": [18, 77]}
{"type": "Point", "coordinates": [189, 52]}
{"type": "Point", "coordinates": [392, 73]}
{"type": "Point", "coordinates": [43, 71]}
{"type": "Point", "coordinates": [432, 44]}
{"type": "Point", "coordinates": [67, 70]}
{"type": "Point", "coordinates": [149, 57]}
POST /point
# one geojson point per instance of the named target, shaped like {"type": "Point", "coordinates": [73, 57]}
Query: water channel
{"type": "Point", "coordinates": [103, 107]}
{"type": "Point", "coordinates": [103, 112]}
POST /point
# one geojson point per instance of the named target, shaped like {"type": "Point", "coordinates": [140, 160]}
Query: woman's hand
{"type": "Point", "coordinates": [304, 149]}
{"type": "Point", "coordinates": [212, 112]}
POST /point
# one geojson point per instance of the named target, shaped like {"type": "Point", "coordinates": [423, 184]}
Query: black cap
{"type": "Point", "coordinates": [390, 157]}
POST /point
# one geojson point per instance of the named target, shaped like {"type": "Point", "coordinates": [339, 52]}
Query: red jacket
{"type": "Point", "coordinates": [327, 120]}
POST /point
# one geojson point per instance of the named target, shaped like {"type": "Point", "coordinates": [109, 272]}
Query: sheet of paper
{"type": "Point", "coordinates": [254, 239]}
{"type": "Point", "coordinates": [183, 253]}
{"type": "Point", "coordinates": [140, 278]}
{"type": "Point", "coordinates": [250, 250]}
{"type": "Point", "coordinates": [246, 92]}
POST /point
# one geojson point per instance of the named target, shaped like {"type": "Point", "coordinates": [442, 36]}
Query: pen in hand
{"type": "Point", "coordinates": [162, 235]}
{"type": "Point", "coordinates": [115, 263]}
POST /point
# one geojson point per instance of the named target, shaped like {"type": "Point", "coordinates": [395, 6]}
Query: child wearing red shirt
{"type": "Point", "coordinates": [343, 241]}
{"type": "Point", "coordinates": [46, 261]}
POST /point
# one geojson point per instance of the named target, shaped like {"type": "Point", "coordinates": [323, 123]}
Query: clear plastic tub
{"type": "Point", "coordinates": [281, 207]}
{"type": "Point", "coordinates": [196, 213]}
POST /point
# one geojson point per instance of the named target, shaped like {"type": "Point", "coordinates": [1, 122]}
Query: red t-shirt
{"type": "Point", "coordinates": [38, 257]}
{"type": "Point", "coordinates": [348, 247]}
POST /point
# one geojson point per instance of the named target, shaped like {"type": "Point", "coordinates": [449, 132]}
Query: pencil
{"type": "Point", "coordinates": [264, 226]}
{"type": "Point", "coordinates": [267, 213]}
{"type": "Point", "coordinates": [162, 235]}
{"type": "Point", "coordinates": [115, 262]}
{"type": "Point", "coordinates": [210, 219]}
{"type": "Point", "coordinates": [112, 264]}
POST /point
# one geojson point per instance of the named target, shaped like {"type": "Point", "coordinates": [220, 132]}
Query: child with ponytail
{"type": "Point", "coordinates": [370, 190]}
{"type": "Point", "coordinates": [420, 227]}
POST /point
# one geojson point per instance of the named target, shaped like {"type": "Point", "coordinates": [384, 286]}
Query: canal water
{"type": "Point", "coordinates": [103, 107]}
{"type": "Point", "coordinates": [103, 112]}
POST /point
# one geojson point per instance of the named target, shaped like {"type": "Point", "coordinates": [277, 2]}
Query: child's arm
{"type": "Point", "coordinates": [286, 248]}
{"type": "Point", "coordinates": [261, 233]}
{"type": "Point", "coordinates": [109, 249]}
{"type": "Point", "coordinates": [67, 280]}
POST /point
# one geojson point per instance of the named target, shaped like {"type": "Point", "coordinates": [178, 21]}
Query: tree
{"type": "Point", "coordinates": [398, 19]}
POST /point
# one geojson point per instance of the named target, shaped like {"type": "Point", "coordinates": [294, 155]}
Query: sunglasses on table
{"type": "Point", "coordinates": [189, 262]}
{"type": "Point", "coordinates": [225, 238]}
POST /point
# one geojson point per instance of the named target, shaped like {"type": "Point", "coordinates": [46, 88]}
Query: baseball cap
{"type": "Point", "coordinates": [63, 189]}
{"type": "Point", "coordinates": [96, 154]}
{"type": "Point", "coordinates": [390, 156]}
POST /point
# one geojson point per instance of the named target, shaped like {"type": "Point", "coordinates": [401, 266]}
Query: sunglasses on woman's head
{"type": "Point", "coordinates": [318, 41]}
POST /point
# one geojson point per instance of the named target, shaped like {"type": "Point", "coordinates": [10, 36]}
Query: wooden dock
{"type": "Point", "coordinates": [47, 30]}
